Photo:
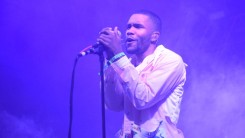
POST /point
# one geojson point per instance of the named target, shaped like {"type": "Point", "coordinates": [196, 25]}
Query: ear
{"type": "Point", "coordinates": [154, 37]}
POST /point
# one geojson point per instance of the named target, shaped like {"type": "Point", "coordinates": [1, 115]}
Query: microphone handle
{"type": "Point", "coordinates": [93, 49]}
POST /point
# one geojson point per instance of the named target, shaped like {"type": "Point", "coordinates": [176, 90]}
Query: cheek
{"type": "Point", "coordinates": [144, 43]}
{"type": "Point", "coordinates": [145, 40]}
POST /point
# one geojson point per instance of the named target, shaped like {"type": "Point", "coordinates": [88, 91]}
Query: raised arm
{"type": "Point", "coordinates": [113, 91]}
{"type": "Point", "coordinates": [154, 83]}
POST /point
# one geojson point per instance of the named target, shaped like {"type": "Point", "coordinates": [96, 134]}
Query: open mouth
{"type": "Point", "coordinates": [129, 40]}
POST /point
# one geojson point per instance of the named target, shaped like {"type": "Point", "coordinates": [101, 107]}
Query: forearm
{"type": "Point", "coordinates": [146, 88]}
{"type": "Point", "coordinates": [113, 91]}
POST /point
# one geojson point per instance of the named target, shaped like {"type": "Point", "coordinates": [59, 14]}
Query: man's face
{"type": "Point", "coordinates": [138, 34]}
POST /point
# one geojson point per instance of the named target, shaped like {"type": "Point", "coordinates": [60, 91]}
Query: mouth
{"type": "Point", "coordinates": [130, 40]}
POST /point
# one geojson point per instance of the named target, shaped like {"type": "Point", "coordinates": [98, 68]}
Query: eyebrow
{"type": "Point", "coordinates": [136, 25]}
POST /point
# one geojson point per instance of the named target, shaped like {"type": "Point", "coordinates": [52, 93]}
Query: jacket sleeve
{"type": "Point", "coordinates": [154, 83]}
{"type": "Point", "coordinates": [113, 90]}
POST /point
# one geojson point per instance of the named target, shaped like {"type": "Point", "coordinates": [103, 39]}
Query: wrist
{"type": "Point", "coordinates": [114, 59]}
{"type": "Point", "coordinates": [110, 54]}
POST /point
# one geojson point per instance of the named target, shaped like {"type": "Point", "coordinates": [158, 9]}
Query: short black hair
{"type": "Point", "coordinates": [154, 17]}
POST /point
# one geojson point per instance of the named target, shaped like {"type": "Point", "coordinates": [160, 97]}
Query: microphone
{"type": "Point", "coordinates": [92, 49]}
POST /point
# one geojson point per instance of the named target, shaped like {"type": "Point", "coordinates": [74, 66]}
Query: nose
{"type": "Point", "coordinates": [129, 31]}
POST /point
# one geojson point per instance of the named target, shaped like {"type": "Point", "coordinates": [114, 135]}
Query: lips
{"type": "Point", "coordinates": [128, 40]}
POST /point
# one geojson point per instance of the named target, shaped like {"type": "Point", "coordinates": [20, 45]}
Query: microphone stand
{"type": "Point", "coordinates": [101, 58]}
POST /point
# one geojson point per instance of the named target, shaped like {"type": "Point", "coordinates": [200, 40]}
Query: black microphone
{"type": "Point", "coordinates": [92, 49]}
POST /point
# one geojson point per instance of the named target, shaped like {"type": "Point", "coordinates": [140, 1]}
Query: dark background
{"type": "Point", "coordinates": [40, 39]}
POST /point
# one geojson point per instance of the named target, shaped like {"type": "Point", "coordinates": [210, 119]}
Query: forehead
{"type": "Point", "coordinates": [140, 19]}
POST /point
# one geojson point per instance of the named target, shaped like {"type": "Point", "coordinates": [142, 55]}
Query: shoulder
{"type": "Point", "coordinates": [167, 55]}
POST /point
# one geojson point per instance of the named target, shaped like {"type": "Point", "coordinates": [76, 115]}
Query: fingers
{"type": "Point", "coordinates": [117, 32]}
{"type": "Point", "coordinates": [104, 39]}
{"type": "Point", "coordinates": [109, 37]}
{"type": "Point", "coordinates": [106, 31]}
{"type": "Point", "coordinates": [109, 31]}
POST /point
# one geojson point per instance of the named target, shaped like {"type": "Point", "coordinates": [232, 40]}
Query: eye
{"type": "Point", "coordinates": [138, 26]}
{"type": "Point", "coordinates": [129, 26]}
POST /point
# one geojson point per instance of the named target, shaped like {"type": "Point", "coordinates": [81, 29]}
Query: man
{"type": "Point", "coordinates": [148, 86]}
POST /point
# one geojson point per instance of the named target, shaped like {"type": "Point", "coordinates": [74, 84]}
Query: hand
{"type": "Point", "coordinates": [111, 39]}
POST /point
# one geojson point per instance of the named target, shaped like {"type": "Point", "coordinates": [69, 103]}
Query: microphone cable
{"type": "Point", "coordinates": [71, 93]}
{"type": "Point", "coordinates": [71, 98]}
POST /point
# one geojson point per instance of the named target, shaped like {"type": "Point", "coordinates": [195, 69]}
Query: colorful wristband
{"type": "Point", "coordinates": [114, 59]}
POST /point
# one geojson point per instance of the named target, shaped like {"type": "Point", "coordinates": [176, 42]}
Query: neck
{"type": "Point", "coordinates": [141, 57]}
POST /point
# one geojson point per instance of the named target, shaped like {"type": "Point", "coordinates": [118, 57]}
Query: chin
{"type": "Point", "coordinates": [131, 50]}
